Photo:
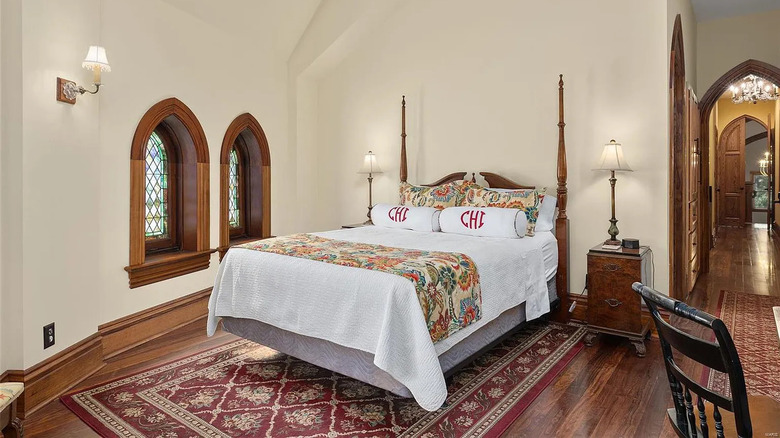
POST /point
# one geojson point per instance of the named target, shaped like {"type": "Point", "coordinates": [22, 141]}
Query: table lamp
{"type": "Point", "coordinates": [612, 160]}
{"type": "Point", "coordinates": [370, 166]}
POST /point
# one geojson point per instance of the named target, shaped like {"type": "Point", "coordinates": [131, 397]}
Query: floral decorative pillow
{"type": "Point", "coordinates": [528, 200]}
{"type": "Point", "coordinates": [442, 196]}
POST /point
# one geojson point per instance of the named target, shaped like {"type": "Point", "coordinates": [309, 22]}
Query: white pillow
{"type": "Point", "coordinates": [406, 217]}
{"type": "Point", "coordinates": [484, 221]}
{"type": "Point", "coordinates": [546, 219]}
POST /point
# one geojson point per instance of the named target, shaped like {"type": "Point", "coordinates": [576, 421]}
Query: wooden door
{"type": "Point", "coordinates": [770, 138]}
{"type": "Point", "coordinates": [692, 197]}
{"type": "Point", "coordinates": [731, 175]}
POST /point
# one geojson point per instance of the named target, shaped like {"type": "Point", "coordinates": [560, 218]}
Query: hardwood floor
{"type": "Point", "coordinates": [605, 391]}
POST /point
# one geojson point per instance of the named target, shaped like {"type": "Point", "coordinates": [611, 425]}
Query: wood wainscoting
{"type": "Point", "coordinates": [58, 374]}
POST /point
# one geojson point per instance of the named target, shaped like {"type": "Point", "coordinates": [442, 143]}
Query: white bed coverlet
{"type": "Point", "coordinates": [378, 312]}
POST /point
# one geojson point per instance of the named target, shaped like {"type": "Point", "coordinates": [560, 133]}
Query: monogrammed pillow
{"type": "Point", "coordinates": [527, 200]}
{"type": "Point", "coordinates": [408, 218]}
{"type": "Point", "coordinates": [484, 221]}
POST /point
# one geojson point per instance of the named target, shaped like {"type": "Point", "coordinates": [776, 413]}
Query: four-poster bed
{"type": "Point", "coordinates": [361, 323]}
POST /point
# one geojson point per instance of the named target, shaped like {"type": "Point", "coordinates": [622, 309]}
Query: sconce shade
{"type": "Point", "coordinates": [96, 59]}
{"type": "Point", "coordinates": [612, 158]}
{"type": "Point", "coordinates": [370, 164]}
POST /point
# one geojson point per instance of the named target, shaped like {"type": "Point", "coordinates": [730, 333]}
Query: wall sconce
{"type": "Point", "coordinates": [96, 60]}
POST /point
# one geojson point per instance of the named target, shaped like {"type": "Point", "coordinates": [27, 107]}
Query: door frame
{"type": "Point", "coordinates": [717, 173]}
{"type": "Point", "coordinates": [677, 94]}
{"type": "Point", "coordinates": [706, 104]}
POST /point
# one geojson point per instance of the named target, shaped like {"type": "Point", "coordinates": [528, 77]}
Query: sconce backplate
{"type": "Point", "coordinates": [62, 84]}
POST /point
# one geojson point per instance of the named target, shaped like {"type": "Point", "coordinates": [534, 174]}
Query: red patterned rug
{"type": "Point", "coordinates": [751, 323]}
{"type": "Point", "coordinates": [244, 389]}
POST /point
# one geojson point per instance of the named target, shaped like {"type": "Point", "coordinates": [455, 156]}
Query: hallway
{"type": "Point", "coordinates": [743, 260]}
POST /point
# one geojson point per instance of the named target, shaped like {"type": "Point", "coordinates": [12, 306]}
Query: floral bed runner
{"type": "Point", "coordinates": [447, 284]}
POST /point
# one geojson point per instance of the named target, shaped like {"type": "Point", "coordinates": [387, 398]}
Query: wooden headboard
{"type": "Point", "coordinates": [497, 181]}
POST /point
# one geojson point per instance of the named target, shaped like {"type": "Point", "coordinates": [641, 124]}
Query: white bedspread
{"type": "Point", "coordinates": [378, 312]}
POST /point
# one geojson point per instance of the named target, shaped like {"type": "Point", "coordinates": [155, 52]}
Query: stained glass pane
{"type": "Point", "coordinates": [156, 189]}
{"type": "Point", "coordinates": [233, 190]}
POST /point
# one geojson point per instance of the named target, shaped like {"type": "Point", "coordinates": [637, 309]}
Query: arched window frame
{"type": "Point", "coordinates": [247, 136]}
{"type": "Point", "coordinates": [189, 158]}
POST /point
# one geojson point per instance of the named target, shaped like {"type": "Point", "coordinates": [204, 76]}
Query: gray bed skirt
{"type": "Point", "coordinates": [360, 364]}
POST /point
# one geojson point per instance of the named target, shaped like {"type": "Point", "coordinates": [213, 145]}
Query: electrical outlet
{"type": "Point", "coordinates": [48, 335]}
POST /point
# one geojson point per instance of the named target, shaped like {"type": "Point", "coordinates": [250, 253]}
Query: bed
{"type": "Point", "coordinates": [365, 324]}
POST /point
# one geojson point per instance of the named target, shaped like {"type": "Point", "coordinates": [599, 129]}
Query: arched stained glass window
{"type": "Point", "coordinates": [157, 173]}
{"type": "Point", "coordinates": [234, 190]}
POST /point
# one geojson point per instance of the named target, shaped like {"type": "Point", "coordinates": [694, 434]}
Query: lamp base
{"type": "Point", "coordinates": [612, 242]}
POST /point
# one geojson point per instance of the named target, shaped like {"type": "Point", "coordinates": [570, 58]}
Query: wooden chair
{"type": "Point", "coordinates": [10, 425]}
{"type": "Point", "coordinates": [752, 415]}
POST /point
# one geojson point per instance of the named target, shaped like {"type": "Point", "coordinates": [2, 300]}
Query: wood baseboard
{"type": "Point", "coordinates": [133, 330]}
{"type": "Point", "coordinates": [49, 379]}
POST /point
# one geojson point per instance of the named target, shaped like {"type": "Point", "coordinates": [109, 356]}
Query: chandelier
{"type": "Point", "coordinates": [752, 89]}
{"type": "Point", "coordinates": [764, 165]}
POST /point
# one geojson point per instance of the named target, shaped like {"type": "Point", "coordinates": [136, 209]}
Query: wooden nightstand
{"type": "Point", "coordinates": [356, 225]}
{"type": "Point", "coordinates": [613, 307]}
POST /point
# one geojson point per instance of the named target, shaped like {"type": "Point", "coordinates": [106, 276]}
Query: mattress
{"type": "Point", "coordinates": [360, 364]}
{"type": "Point", "coordinates": [377, 312]}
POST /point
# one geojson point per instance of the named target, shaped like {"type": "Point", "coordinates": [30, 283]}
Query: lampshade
{"type": "Point", "coordinates": [370, 164]}
{"type": "Point", "coordinates": [96, 59]}
{"type": "Point", "coordinates": [612, 158]}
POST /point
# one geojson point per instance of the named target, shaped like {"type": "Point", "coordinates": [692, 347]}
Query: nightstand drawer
{"type": "Point", "coordinates": [615, 311]}
{"type": "Point", "coordinates": [605, 265]}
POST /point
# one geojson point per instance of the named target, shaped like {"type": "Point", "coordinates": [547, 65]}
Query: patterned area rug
{"type": "Point", "coordinates": [751, 322]}
{"type": "Point", "coordinates": [243, 389]}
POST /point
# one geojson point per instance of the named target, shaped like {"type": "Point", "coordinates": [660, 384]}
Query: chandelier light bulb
{"type": "Point", "coordinates": [753, 89]}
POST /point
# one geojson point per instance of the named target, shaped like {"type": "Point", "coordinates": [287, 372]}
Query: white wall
{"type": "Point", "coordinates": [481, 85]}
{"type": "Point", "coordinates": [11, 223]}
{"type": "Point", "coordinates": [690, 31]}
{"type": "Point", "coordinates": [724, 43]}
{"type": "Point", "coordinates": [71, 212]}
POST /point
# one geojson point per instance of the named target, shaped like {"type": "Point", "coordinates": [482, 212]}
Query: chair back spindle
{"type": "Point", "coordinates": [720, 355]}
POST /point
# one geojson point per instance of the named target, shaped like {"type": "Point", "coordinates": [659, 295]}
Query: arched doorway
{"type": "Point", "coordinates": [706, 105]}
{"type": "Point", "coordinates": [740, 146]}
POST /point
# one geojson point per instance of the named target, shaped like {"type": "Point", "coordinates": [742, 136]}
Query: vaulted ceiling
{"type": "Point", "coordinates": [706, 10]}
{"type": "Point", "coordinates": [283, 21]}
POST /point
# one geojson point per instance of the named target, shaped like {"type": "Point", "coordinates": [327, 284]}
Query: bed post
{"type": "Point", "coordinates": [403, 140]}
{"type": "Point", "coordinates": [562, 222]}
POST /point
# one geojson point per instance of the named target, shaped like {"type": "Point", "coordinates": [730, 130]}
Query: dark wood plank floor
{"type": "Point", "coordinates": [605, 392]}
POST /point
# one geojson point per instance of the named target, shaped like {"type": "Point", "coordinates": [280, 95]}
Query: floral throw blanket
{"type": "Point", "coordinates": [447, 284]}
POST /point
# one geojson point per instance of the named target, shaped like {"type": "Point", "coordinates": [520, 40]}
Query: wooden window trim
{"type": "Point", "coordinates": [246, 133]}
{"type": "Point", "coordinates": [192, 217]}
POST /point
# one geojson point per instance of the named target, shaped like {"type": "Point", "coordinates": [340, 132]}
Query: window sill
{"type": "Point", "coordinates": [159, 267]}
{"type": "Point", "coordinates": [238, 241]}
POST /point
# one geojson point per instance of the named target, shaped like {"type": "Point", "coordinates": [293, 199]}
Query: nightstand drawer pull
{"type": "Point", "coordinates": [612, 267]}
{"type": "Point", "coordinates": [613, 302]}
